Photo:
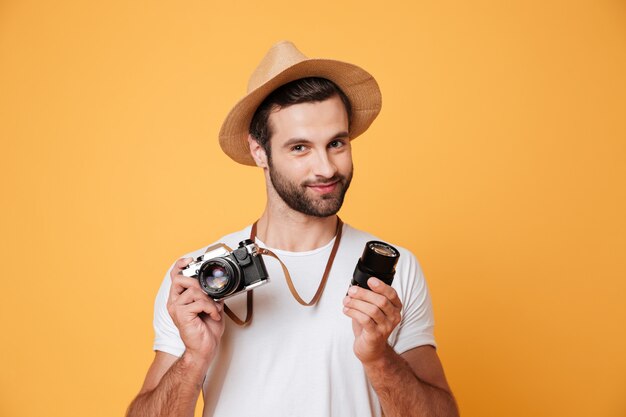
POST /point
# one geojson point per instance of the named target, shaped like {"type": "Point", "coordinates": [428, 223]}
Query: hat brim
{"type": "Point", "coordinates": [359, 86]}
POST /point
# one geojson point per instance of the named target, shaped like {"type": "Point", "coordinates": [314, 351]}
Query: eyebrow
{"type": "Point", "coordinates": [294, 141]}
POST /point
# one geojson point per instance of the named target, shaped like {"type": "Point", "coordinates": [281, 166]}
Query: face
{"type": "Point", "coordinates": [311, 160]}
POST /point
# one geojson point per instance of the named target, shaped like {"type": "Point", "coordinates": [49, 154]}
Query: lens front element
{"type": "Point", "coordinates": [383, 249]}
{"type": "Point", "coordinates": [219, 277]}
{"type": "Point", "coordinates": [216, 277]}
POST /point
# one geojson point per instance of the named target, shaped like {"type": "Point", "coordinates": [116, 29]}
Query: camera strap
{"type": "Point", "coordinates": [292, 288]}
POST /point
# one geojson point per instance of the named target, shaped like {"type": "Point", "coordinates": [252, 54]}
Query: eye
{"type": "Point", "coordinates": [298, 148]}
{"type": "Point", "coordinates": [337, 144]}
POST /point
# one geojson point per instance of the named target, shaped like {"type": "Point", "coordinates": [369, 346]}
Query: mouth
{"type": "Point", "coordinates": [324, 188]}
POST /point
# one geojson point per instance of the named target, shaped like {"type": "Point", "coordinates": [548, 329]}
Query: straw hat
{"type": "Point", "coordinates": [282, 64]}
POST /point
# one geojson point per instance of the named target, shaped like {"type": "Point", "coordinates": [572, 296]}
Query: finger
{"type": "Point", "coordinates": [369, 309]}
{"type": "Point", "coordinates": [190, 295]}
{"type": "Point", "coordinates": [202, 305]}
{"type": "Point", "coordinates": [387, 291]}
{"type": "Point", "coordinates": [206, 306]}
{"type": "Point", "coordinates": [362, 319]}
{"type": "Point", "coordinates": [178, 265]}
{"type": "Point", "coordinates": [180, 283]}
{"type": "Point", "coordinates": [379, 300]}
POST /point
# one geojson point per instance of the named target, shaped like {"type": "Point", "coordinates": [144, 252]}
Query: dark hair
{"type": "Point", "coordinates": [304, 90]}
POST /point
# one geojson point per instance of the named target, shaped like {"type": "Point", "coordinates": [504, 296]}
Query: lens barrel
{"type": "Point", "coordinates": [379, 260]}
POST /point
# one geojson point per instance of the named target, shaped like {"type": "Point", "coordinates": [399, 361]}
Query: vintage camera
{"type": "Point", "coordinates": [222, 273]}
{"type": "Point", "coordinates": [379, 260]}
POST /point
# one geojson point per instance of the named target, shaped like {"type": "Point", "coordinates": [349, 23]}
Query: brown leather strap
{"type": "Point", "coordinates": [292, 288]}
{"type": "Point", "coordinates": [230, 313]}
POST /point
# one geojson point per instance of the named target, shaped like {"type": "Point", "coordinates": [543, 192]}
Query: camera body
{"type": "Point", "coordinates": [223, 274]}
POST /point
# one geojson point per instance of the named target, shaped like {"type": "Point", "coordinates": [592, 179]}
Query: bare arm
{"type": "Point", "coordinates": [403, 393]}
{"type": "Point", "coordinates": [172, 385]}
{"type": "Point", "coordinates": [409, 385]}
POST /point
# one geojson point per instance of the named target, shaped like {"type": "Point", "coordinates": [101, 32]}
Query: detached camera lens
{"type": "Point", "coordinates": [379, 260]}
{"type": "Point", "coordinates": [218, 278]}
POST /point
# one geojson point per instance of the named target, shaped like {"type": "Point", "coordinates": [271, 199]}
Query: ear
{"type": "Point", "coordinates": [257, 152]}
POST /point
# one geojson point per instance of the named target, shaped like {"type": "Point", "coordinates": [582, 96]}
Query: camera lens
{"type": "Point", "coordinates": [378, 260]}
{"type": "Point", "coordinates": [218, 277]}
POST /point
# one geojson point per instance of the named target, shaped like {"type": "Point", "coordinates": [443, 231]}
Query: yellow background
{"type": "Point", "coordinates": [499, 158]}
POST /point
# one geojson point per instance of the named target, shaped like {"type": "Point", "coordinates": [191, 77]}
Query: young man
{"type": "Point", "coordinates": [358, 354]}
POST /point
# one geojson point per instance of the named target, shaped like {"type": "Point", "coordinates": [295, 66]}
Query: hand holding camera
{"type": "Point", "coordinates": [198, 318]}
{"type": "Point", "coordinates": [219, 273]}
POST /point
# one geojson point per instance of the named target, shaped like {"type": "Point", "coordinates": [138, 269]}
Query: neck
{"type": "Point", "coordinates": [295, 232]}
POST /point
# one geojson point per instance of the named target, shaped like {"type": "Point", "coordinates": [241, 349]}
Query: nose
{"type": "Point", "coordinates": [324, 166]}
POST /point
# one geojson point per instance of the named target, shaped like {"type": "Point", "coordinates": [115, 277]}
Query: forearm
{"type": "Point", "coordinates": [175, 395]}
{"type": "Point", "coordinates": [403, 394]}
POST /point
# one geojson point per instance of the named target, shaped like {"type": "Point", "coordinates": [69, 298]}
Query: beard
{"type": "Point", "coordinates": [299, 198]}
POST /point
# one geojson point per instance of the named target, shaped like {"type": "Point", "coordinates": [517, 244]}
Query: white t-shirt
{"type": "Point", "coordinates": [293, 360]}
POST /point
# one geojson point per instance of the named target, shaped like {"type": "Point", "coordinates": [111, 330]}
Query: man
{"type": "Point", "coordinates": [358, 354]}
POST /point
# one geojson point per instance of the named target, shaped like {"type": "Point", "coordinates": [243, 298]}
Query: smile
{"type": "Point", "coordinates": [324, 188]}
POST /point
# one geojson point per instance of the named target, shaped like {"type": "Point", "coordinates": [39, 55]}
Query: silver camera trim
{"type": "Point", "coordinates": [220, 251]}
